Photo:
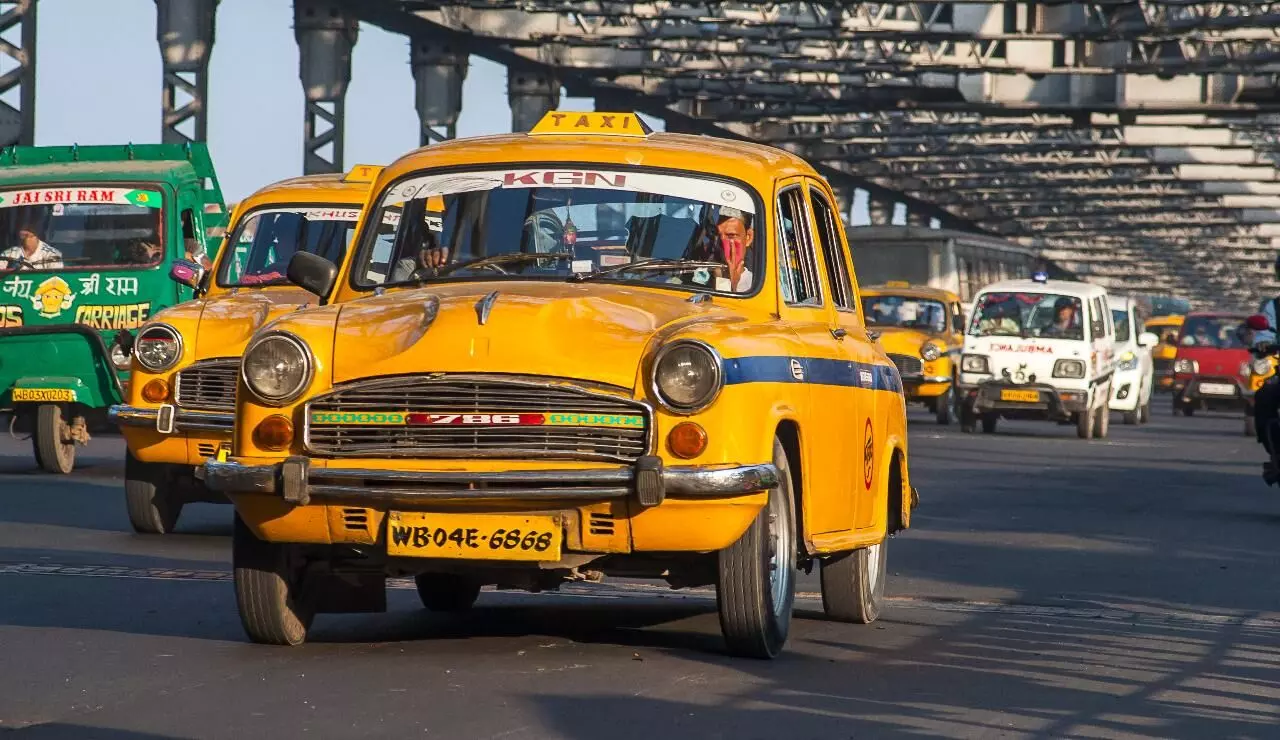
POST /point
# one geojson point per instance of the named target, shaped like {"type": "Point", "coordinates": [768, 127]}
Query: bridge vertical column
{"type": "Point", "coordinates": [916, 218]}
{"type": "Point", "coordinates": [438, 72]}
{"type": "Point", "coordinates": [844, 202]}
{"type": "Point", "coordinates": [530, 95]}
{"type": "Point", "coordinates": [18, 125]}
{"type": "Point", "coordinates": [879, 212]}
{"type": "Point", "coordinates": [326, 34]}
{"type": "Point", "coordinates": [185, 30]}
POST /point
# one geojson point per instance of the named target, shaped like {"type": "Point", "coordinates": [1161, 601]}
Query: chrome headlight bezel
{"type": "Point", "coordinates": [304, 382]}
{"type": "Point", "coordinates": [929, 352]}
{"type": "Point", "coordinates": [976, 364]}
{"type": "Point", "coordinates": [174, 335]}
{"type": "Point", "coordinates": [1185, 366]}
{"type": "Point", "coordinates": [1261, 366]}
{"type": "Point", "coordinates": [1077, 372]}
{"type": "Point", "coordinates": [716, 365]}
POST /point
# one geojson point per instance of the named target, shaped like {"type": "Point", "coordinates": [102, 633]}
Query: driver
{"type": "Point", "coordinates": [1000, 318]}
{"type": "Point", "coordinates": [32, 253]}
{"type": "Point", "coordinates": [1065, 319]}
{"type": "Point", "coordinates": [728, 245]}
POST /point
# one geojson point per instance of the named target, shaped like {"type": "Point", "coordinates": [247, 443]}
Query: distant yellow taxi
{"type": "Point", "coordinates": [922, 329]}
{"type": "Point", "coordinates": [588, 350]}
{"type": "Point", "coordinates": [1164, 353]}
{"type": "Point", "coordinates": [181, 397]}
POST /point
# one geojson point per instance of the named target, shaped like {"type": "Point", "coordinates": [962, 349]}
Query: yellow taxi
{"type": "Point", "coordinates": [1164, 353]}
{"type": "Point", "coordinates": [180, 403]}
{"type": "Point", "coordinates": [922, 330]}
{"type": "Point", "coordinates": [588, 350]}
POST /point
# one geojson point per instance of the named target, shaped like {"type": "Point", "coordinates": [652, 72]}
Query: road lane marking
{"type": "Point", "coordinates": [631, 590]}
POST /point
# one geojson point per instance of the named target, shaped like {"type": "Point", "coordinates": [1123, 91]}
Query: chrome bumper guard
{"type": "Point", "coordinates": [299, 483]}
{"type": "Point", "coordinates": [169, 419]}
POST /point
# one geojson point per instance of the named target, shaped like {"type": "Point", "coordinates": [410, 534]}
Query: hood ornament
{"type": "Point", "coordinates": [484, 306]}
{"type": "Point", "coordinates": [430, 309]}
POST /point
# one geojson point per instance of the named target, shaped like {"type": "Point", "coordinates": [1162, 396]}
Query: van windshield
{"type": "Point", "coordinates": [80, 227]}
{"type": "Point", "coordinates": [1028, 315]}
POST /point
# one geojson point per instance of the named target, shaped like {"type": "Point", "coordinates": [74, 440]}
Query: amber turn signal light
{"type": "Point", "coordinates": [273, 433]}
{"type": "Point", "coordinates": [155, 391]}
{"type": "Point", "coordinates": [687, 439]}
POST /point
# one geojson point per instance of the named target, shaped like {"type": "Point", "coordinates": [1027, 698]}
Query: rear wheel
{"type": "Point", "coordinates": [447, 592]}
{"type": "Point", "coordinates": [151, 500]}
{"type": "Point", "coordinates": [51, 439]}
{"type": "Point", "coordinates": [942, 408]}
{"type": "Point", "coordinates": [755, 588]}
{"type": "Point", "coordinates": [989, 422]}
{"type": "Point", "coordinates": [269, 592]}
{"type": "Point", "coordinates": [1133, 417]}
{"type": "Point", "coordinates": [1085, 423]}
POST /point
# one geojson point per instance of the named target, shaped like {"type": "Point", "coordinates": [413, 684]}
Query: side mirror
{"type": "Point", "coordinates": [186, 272]}
{"type": "Point", "coordinates": [312, 273]}
{"type": "Point", "coordinates": [1258, 322]}
{"type": "Point", "coordinates": [957, 324]}
{"type": "Point", "coordinates": [1148, 340]}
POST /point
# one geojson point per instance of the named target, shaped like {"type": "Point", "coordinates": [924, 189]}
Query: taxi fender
{"type": "Point", "coordinates": [896, 444]}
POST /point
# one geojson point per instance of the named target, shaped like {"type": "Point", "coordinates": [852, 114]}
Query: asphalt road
{"type": "Point", "coordinates": [1050, 588]}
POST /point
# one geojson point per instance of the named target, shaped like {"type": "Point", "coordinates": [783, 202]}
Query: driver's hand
{"type": "Point", "coordinates": [434, 258]}
{"type": "Point", "coordinates": [735, 253]}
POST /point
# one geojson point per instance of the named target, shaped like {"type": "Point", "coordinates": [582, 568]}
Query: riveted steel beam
{"type": "Point", "coordinates": [18, 124]}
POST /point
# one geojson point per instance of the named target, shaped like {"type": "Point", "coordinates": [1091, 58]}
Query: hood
{"type": "Point", "coordinates": [225, 323]}
{"type": "Point", "coordinates": [1022, 358]}
{"type": "Point", "coordinates": [587, 331]}
{"type": "Point", "coordinates": [903, 341]}
{"type": "Point", "coordinates": [1215, 361]}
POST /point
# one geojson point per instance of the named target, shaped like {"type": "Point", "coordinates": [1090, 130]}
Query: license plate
{"type": "Point", "coordinates": [44, 395]}
{"type": "Point", "coordinates": [473, 536]}
{"type": "Point", "coordinates": [1218, 389]}
{"type": "Point", "coordinates": [1020, 396]}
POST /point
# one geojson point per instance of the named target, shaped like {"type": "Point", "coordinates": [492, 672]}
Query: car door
{"type": "Point", "coordinates": [819, 361]}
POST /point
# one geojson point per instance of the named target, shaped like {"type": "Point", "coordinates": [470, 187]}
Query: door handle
{"type": "Point", "coordinates": [839, 333]}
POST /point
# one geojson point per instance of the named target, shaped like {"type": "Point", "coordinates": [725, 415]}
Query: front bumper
{"type": "Point", "coordinates": [1189, 390]}
{"type": "Point", "coordinates": [925, 385]}
{"type": "Point", "coordinates": [297, 482]}
{"type": "Point", "coordinates": [169, 419]}
{"type": "Point", "coordinates": [1053, 403]}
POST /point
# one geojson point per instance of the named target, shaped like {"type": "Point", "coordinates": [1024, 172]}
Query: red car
{"type": "Point", "coordinates": [1211, 369]}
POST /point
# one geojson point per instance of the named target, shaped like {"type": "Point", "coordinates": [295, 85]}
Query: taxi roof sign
{"type": "Point", "coordinates": [595, 124]}
{"type": "Point", "coordinates": [897, 284]}
{"type": "Point", "coordinates": [362, 173]}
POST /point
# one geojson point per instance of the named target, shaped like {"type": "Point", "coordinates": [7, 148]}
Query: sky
{"type": "Point", "coordinates": [96, 87]}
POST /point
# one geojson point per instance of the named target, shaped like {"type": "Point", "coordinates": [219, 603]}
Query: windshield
{"type": "Point", "coordinates": [265, 239]}
{"type": "Point", "coordinates": [1027, 315]}
{"type": "Point", "coordinates": [523, 223]}
{"type": "Point", "coordinates": [1211, 331]}
{"type": "Point", "coordinates": [79, 227]}
{"type": "Point", "coordinates": [1121, 319]}
{"type": "Point", "coordinates": [902, 311]}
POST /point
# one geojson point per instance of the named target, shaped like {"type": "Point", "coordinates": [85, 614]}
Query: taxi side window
{"type": "Point", "coordinates": [797, 273]}
{"type": "Point", "coordinates": [832, 251]}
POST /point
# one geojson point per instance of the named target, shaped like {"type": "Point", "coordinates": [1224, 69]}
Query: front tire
{"type": "Point", "coordinates": [1134, 417]}
{"type": "Point", "coordinates": [942, 412]}
{"type": "Point", "coordinates": [153, 505]}
{"type": "Point", "coordinates": [1085, 421]}
{"type": "Point", "coordinates": [1102, 422]}
{"type": "Point", "coordinates": [989, 422]}
{"type": "Point", "coordinates": [755, 588]}
{"type": "Point", "coordinates": [1144, 412]}
{"type": "Point", "coordinates": [269, 593]}
{"type": "Point", "coordinates": [55, 450]}
{"type": "Point", "coordinates": [446, 592]}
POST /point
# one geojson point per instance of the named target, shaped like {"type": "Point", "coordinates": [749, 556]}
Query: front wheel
{"type": "Point", "coordinates": [269, 590]}
{"type": "Point", "coordinates": [1102, 422]}
{"type": "Point", "coordinates": [942, 411]}
{"type": "Point", "coordinates": [151, 500]}
{"type": "Point", "coordinates": [1188, 410]}
{"type": "Point", "coordinates": [55, 449]}
{"type": "Point", "coordinates": [1085, 423]}
{"type": "Point", "coordinates": [1144, 412]}
{"type": "Point", "coordinates": [1134, 417]}
{"type": "Point", "coordinates": [989, 422]}
{"type": "Point", "coordinates": [755, 588]}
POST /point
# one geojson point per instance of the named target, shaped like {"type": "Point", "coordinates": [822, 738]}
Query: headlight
{"type": "Point", "coordinates": [930, 352]}
{"type": "Point", "coordinates": [1128, 361]}
{"type": "Point", "coordinates": [158, 347]}
{"type": "Point", "coordinates": [1261, 366]}
{"type": "Point", "coordinates": [686, 376]}
{"type": "Point", "coordinates": [1068, 369]}
{"type": "Point", "coordinates": [974, 364]}
{"type": "Point", "coordinates": [119, 357]}
{"type": "Point", "coordinates": [1186, 366]}
{"type": "Point", "coordinates": [277, 367]}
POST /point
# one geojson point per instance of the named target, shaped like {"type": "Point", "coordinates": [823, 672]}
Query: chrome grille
{"type": "Point", "coordinates": [907, 365]}
{"type": "Point", "coordinates": [208, 385]}
{"type": "Point", "coordinates": [478, 397]}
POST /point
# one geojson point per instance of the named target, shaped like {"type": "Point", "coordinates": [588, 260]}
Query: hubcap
{"type": "Point", "coordinates": [875, 560]}
{"type": "Point", "coordinates": [781, 553]}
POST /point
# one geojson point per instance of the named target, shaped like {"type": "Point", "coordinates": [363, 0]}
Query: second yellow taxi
{"type": "Point", "coordinates": [583, 351]}
{"type": "Point", "coordinates": [180, 403]}
{"type": "Point", "coordinates": [922, 329]}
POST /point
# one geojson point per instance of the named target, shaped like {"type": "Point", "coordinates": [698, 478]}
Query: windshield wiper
{"type": "Point", "coordinates": [500, 259]}
{"type": "Point", "coordinates": [674, 265]}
